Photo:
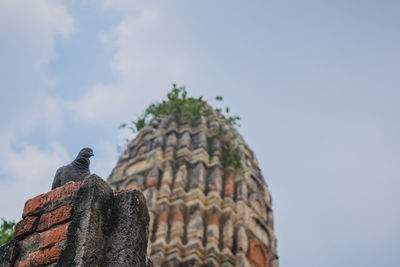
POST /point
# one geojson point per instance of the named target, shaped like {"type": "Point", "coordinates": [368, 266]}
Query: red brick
{"type": "Point", "coordinates": [41, 257]}
{"type": "Point", "coordinates": [213, 220]}
{"type": "Point", "coordinates": [229, 186]}
{"type": "Point", "coordinates": [54, 217]}
{"type": "Point", "coordinates": [178, 217]}
{"type": "Point", "coordinates": [54, 235]}
{"type": "Point", "coordinates": [24, 263]}
{"type": "Point", "coordinates": [30, 243]}
{"type": "Point", "coordinates": [257, 254]}
{"type": "Point", "coordinates": [163, 217]}
{"type": "Point", "coordinates": [65, 192]}
{"type": "Point", "coordinates": [26, 226]}
{"type": "Point", "coordinates": [38, 204]}
{"type": "Point", "coordinates": [35, 205]}
{"type": "Point", "coordinates": [151, 182]}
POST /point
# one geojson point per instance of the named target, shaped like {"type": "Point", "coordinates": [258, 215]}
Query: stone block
{"type": "Point", "coordinates": [106, 229]}
{"type": "Point", "coordinates": [8, 253]}
{"type": "Point", "coordinates": [126, 241]}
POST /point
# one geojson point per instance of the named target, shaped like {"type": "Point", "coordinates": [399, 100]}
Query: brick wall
{"type": "Point", "coordinates": [83, 223]}
{"type": "Point", "coordinates": [43, 230]}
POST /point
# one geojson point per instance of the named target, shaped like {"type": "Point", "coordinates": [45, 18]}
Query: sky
{"type": "Point", "coordinates": [316, 84]}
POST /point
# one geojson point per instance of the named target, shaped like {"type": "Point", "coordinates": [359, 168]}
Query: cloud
{"type": "Point", "coordinates": [125, 6]}
{"type": "Point", "coordinates": [28, 30]}
{"type": "Point", "coordinates": [27, 171]}
{"type": "Point", "coordinates": [325, 133]}
{"type": "Point", "coordinates": [146, 61]}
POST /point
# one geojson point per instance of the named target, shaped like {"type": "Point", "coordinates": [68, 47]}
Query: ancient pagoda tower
{"type": "Point", "coordinates": [202, 213]}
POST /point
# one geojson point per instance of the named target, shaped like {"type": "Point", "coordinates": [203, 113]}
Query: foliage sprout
{"type": "Point", "coordinates": [188, 109]}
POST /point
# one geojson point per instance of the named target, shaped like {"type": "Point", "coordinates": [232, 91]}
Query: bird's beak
{"type": "Point", "coordinates": [91, 154]}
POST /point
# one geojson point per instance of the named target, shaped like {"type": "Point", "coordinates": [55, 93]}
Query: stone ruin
{"type": "Point", "coordinates": [198, 213]}
{"type": "Point", "coordinates": [80, 224]}
{"type": "Point", "coordinates": [201, 212]}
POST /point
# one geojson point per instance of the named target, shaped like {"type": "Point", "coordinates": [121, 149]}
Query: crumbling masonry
{"type": "Point", "coordinates": [201, 213]}
{"type": "Point", "coordinates": [80, 224]}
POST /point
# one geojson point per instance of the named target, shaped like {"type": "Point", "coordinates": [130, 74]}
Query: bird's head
{"type": "Point", "coordinates": [86, 152]}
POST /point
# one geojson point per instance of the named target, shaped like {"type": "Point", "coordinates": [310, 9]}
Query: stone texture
{"type": "Point", "coordinates": [8, 253]}
{"type": "Point", "coordinates": [81, 224]}
{"type": "Point", "coordinates": [92, 204]}
{"type": "Point", "coordinates": [126, 242]}
{"type": "Point", "coordinates": [115, 226]}
{"type": "Point", "coordinates": [202, 213]}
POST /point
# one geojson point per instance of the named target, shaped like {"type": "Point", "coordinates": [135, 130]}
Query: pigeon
{"type": "Point", "coordinates": [75, 171]}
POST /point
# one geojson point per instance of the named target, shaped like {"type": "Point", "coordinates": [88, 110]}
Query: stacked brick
{"type": "Point", "coordinates": [42, 232]}
{"type": "Point", "coordinates": [201, 213]}
{"type": "Point", "coordinates": [80, 224]}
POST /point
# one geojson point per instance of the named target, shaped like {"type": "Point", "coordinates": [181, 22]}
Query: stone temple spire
{"type": "Point", "coordinates": [202, 212]}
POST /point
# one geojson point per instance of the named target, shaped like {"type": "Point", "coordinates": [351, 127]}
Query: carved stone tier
{"type": "Point", "coordinates": [201, 213]}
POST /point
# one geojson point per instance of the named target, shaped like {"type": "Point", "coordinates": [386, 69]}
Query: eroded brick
{"type": "Point", "coordinates": [213, 220]}
{"type": "Point", "coordinates": [39, 204]}
{"type": "Point", "coordinates": [41, 257]}
{"type": "Point", "coordinates": [29, 243]}
{"type": "Point", "coordinates": [24, 263]}
{"type": "Point", "coordinates": [26, 226]}
{"type": "Point", "coordinates": [178, 217]}
{"type": "Point", "coordinates": [257, 254]}
{"type": "Point", "coordinates": [54, 217]}
{"type": "Point", "coordinates": [35, 205]}
{"type": "Point", "coordinates": [229, 186]}
{"type": "Point", "coordinates": [65, 192]}
{"type": "Point", "coordinates": [54, 235]}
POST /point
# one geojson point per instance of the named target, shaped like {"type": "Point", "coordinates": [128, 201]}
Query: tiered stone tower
{"type": "Point", "coordinates": [201, 213]}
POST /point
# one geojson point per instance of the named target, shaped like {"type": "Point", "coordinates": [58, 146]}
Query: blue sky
{"type": "Point", "coordinates": [315, 82]}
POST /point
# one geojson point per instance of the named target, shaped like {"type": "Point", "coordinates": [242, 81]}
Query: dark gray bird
{"type": "Point", "coordinates": [75, 171]}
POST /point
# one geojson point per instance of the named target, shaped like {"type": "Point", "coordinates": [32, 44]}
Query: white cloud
{"type": "Point", "coordinates": [31, 162]}
{"type": "Point", "coordinates": [28, 31]}
{"type": "Point", "coordinates": [97, 105]}
{"type": "Point", "coordinates": [127, 6]}
{"type": "Point", "coordinates": [28, 170]}
{"type": "Point", "coordinates": [147, 63]}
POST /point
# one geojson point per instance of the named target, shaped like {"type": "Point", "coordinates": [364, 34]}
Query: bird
{"type": "Point", "coordinates": [75, 171]}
